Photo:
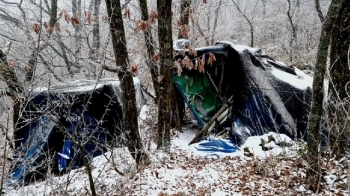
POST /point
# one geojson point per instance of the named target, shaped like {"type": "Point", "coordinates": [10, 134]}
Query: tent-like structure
{"type": "Point", "coordinates": [263, 95]}
{"type": "Point", "coordinates": [58, 123]}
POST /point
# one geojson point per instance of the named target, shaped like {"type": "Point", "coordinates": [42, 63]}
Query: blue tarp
{"type": "Point", "coordinates": [93, 117]}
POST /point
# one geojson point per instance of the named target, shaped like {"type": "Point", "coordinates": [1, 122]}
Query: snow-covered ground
{"type": "Point", "coordinates": [250, 170]}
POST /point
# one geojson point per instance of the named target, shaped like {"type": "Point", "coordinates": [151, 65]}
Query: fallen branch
{"type": "Point", "coordinates": [205, 129]}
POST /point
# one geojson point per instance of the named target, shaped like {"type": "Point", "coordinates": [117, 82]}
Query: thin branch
{"type": "Point", "coordinates": [319, 11]}
{"type": "Point", "coordinates": [110, 69]}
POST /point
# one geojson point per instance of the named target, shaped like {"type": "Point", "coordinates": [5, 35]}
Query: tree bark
{"type": "Point", "coordinates": [184, 17]}
{"type": "Point", "coordinates": [165, 76]}
{"type": "Point", "coordinates": [130, 124]}
{"type": "Point", "coordinates": [313, 139]}
{"type": "Point", "coordinates": [151, 64]}
{"type": "Point", "coordinates": [294, 39]}
{"type": "Point", "coordinates": [339, 105]}
{"type": "Point", "coordinates": [13, 84]}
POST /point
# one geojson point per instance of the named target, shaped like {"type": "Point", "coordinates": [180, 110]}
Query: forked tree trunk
{"type": "Point", "coordinates": [313, 140]}
{"type": "Point", "coordinates": [165, 77]}
{"type": "Point", "coordinates": [130, 124]}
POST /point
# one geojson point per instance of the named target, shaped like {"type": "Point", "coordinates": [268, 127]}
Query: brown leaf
{"type": "Point", "coordinates": [179, 67]}
{"type": "Point", "coordinates": [58, 27]}
{"type": "Point", "coordinates": [126, 12]}
{"type": "Point", "coordinates": [133, 68]}
{"type": "Point", "coordinates": [204, 1]}
{"type": "Point", "coordinates": [211, 59]}
{"type": "Point", "coordinates": [36, 28]}
{"type": "Point", "coordinates": [153, 16]}
{"type": "Point", "coordinates": [142, 25]}
{"type": "Point", "coordinates": [184, 30]}
{"type": "Point", "coordinates": [187, 63]}
{"type": "Point", "coordinates": [66, 17]}
{"type": "Point", "coordinates": [193, 52]}
{"type": "Point", "coordinates": [160, 78]}
{"type": "Point", "coordinates": [49, 29]}
{"type": "Point", "coordinates": [88, 17]}
{"type": "Point", "coordinates": [196, 63]}
{"type": "Point", "coordinates": [201, 64]}
{"type": "Point", "coordinates": [156, 57]}
{"type": "Point", "coordinates": [75, 20]}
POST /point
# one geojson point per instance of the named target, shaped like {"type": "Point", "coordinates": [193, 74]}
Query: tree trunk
{"type": "Point", "coordinates": [130, 124]}
{"type": "Point", "coordinates": [29, 76]}
{"type": "Point", "coordinates": [76, 9]}
{"type": "Point", "coordinates": [184, 17]}
{"type": "Point", "coordinates": [13, 84]}
{"type": "Point", "coordinates": [293, 39]}
{"type": "Point", "coordinates": [313, 139]}
{"type": "Point", "coordinates": [339, 105]}
{"type": "Point", "coordinates": [165, 76]}
{"type": "Point", "coordinates": [152, 65]}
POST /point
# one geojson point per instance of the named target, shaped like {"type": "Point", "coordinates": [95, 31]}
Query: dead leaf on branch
{"type": "Point", "coordinates": [156, 57]}
{"type": "Point", "coordinates": [133, 68]}
{"type": "Point", "coordinates": [201, 65]}
{"type": "Point", "coordinates": [187, 63]}
{"type": "Point", "coordinates": [65, 14]}
{"type": "Point", "coordinates": [142, 25]}
{"type": "Point", "coordinates": [88, 17]}
{"type": "Point", "coordinates": [211, 59]}
{"type": "Point", "coordinates": [179, 67]}
{"type": "Point", "coordinates": [58, 27]}
{"type": "Point", "coordinates": [193, 52]}
{"type": "Point", "coordinates": [126, 13]}
{"type": "Point", "coordinates": [196, 63]}
{"type": "Point", "coordinates": [153, 16]}
{"type": "Point", "coordinates": [75, 20]}
{"type": "Point", "coordinates": [204, 1]}
{"type": "Point", "coordinates": [184, 30]}
{"type": "Point", "coordinates": [36, 28]}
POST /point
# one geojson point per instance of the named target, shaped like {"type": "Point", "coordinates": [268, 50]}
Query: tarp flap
{"type": "Point", "coordinates": [199, 94]}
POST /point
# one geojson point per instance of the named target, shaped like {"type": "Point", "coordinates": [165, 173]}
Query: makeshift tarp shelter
{"type": "Point", "coordinates": [55, 120]}
{"type": "Point", "coordinates": [266, 95]}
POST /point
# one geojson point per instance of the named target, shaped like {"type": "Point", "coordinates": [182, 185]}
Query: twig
{"type": "Point", "coordinates": [114, 70]}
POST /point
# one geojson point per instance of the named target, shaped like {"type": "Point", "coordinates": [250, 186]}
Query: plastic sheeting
{"type": "Point", "coordinates": [88, 112]}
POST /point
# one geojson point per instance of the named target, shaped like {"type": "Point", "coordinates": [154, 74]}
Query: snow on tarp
{"type": "Point", "coordinates": [268, 96]}
{"type": "Point", "coordinates": [90, 111]}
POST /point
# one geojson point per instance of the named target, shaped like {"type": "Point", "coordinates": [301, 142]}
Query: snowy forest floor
{"type": "Point", "coordinates": [187, 171]}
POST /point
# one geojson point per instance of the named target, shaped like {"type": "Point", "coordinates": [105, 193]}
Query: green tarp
{"type": "Point", "coordinates": [199, 94]}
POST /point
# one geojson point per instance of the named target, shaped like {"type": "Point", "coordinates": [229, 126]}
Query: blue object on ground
{"type": "Point", "coordinates": [217, 145]}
